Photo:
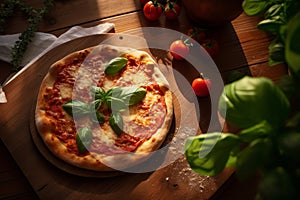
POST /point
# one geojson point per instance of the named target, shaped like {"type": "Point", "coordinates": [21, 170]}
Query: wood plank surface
{"type": "Point", "coordinates": [82, 12]}
{"type": "Point", "coordinates": [242, 47]}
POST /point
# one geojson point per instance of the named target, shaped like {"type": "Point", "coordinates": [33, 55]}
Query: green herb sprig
{"type": "Point", "coordinates": [116, 99]}
{"type": "Point", "coordinates": [34, 16]}
{"type": "Point", "coordinates": [277, 14]}
{"type": "Point", "coordinates": [268, 144]}
{"type": "Point", "coordinates": [269, 115]}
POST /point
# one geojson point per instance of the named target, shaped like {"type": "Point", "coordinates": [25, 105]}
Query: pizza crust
{"type": "Point", "coordinates": [93, 161]}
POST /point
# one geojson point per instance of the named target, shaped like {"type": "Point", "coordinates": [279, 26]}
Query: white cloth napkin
{"type": "Point", "coordinates": [41, 44]}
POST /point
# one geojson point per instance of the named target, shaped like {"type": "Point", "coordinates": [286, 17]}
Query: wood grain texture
{"type": "Point", "coordinates": [62, 16]}
{"type": "Point", "coordinates": [254, 42]}
{"type": "Point", "coordinates": [49, 181]}
{"type": "Point", "coordinates": [242, 48]}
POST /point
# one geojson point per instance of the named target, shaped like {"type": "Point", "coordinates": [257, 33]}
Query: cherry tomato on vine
{"type": "Point", "coordinates": [196, 34]}
{"type": "Point", "coordinates": [211, 46]}
{"type": "Point", "coordinates": [172, 10]}
{"type": "Point", "coordinates": [179, 50]}
{"type": "Point", "coordinates": [152, 10]}
{"type": "Point", "coordinates": [201, 86]}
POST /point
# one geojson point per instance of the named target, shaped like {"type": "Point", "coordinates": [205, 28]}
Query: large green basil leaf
{"type": "Point", "coordinates": [253, 157]}
{"type": "Point", "coordinates": [120, 98]}
{"type": "Point", "coordinates": [248, 101]}
{"type": "Point", "coordinates": [116, 104]}
{"type": "Point", "coordinates": [129, 90]}
{"type": "Point", "coordinates": [208, 154]}
{"type": "Point", "coordinates": [271, 25]}
{"type": "Point", "coordinates": [115, 65]}
{"type": "Point", "coordinates": [254, 7]}
{"type": "Point", "coordinates": [132, 97]}
{"type": "Point", "coordinates": [260, 130]}
{"type": "Point", "coordinates": [292, 48]}
{"type": "Point", "coordinates": [76, 107]}
{"type": "Point", "coordinates": [116, 122]}
{"type": "Point", "coordinates": [97, 117]}
{"type": "Point", "coordinates": [84, 139]}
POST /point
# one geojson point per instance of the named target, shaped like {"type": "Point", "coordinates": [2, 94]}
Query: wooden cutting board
{"type": "Point", "coordinates": [49, 180]}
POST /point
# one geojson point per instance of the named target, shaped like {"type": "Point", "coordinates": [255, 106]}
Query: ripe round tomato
{"type": "Point", "coordinates": [197, 35]}
{"type": "Point", "coordinates": [179, 50]}
{"type": "Point", "coordinates": [152, 11]}
{"type": "Point", "coordinates": [172, 10]}
{"type": "Point", "coordinates": [201, 86]}
{"type": "Point", "coordinates": [211, 46]}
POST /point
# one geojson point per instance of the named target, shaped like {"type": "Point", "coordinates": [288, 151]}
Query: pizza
{"type": "Point", "coordinates": [104, 108]}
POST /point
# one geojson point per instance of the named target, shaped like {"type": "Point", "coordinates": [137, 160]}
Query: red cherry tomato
{"type": "Point", "coordinates": [211, 46]}
{"type": "Point", "coordinates": [152, 11]}
{"type": "Point", "coordinates": [172, 10]}
{"type": "Point", "coordinates": [179, 50]}
{"type": "Point", "coordinates": [197, 35]}
{"type": "Point", "coordinates": [201, 86]}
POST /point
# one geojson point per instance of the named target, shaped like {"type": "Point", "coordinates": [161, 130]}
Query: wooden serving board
{"type": "Point", "coordinates": [173, 181]}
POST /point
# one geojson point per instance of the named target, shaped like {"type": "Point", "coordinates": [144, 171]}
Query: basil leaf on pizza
{"type": "Point", "coordinates": [132, 95]}
{"type": "Point", "coordinates": [116, 122]}
{"type": "Point", "coordinates": [115, 65]}
{"type": "Point", "coordinates": [113, 92]}
{"type": "Point", "coordinates": [116, 104]}
{"type": "Point", "coordinates": [95, 105]}
{"type": "Point", "coordinates": [122, 117]}
{"type": "Point", "coordinates": [97, 117]}
{"type": "Point", "coordinates": [84, 139]}
{"type": "Point", "coordinates": [76, 107]}
{"type": "Point", "coordinates": [135, 97]}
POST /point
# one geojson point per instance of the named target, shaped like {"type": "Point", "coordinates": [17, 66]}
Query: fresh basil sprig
{"type": "Point", "coordinates": [84, 139]}
{"type": "Point", "coordinates": [277, 15]}
{"type": "Point", "coordinates": [116, 99]}
{"type": "Point", "coordinates": [257, 106]}
{"type": "Point", "coordinates": [115, 65]}
{"type": "Point", "coordinates": [98, 92]}
{"type": "Point", "coordinates": [268, 143]}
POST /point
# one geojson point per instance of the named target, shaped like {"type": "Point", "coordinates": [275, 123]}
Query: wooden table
{"type": "Point", "coordinates": [242, 48]}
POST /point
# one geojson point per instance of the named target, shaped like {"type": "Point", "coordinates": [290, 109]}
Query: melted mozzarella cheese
{"type": "Point", "coordinates": [65, 90]}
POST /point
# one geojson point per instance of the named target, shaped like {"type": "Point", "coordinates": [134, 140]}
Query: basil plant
{"type": "Point", "coordinates": [264, 143]}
